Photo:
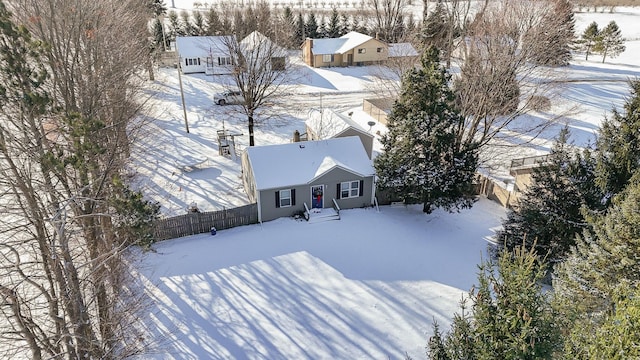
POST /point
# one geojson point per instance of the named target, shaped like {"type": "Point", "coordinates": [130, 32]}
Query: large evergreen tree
{"type": "Point", "coordinates": [511, 316]}
{"type": "Point", "coordinates": [311, 26]}
{"type": "Point", "coordinates": [611, 42]}
{"type": "Point", "coordinates": [345, 23]}
{"type": "Point", "coordinates": [157, 7]}
{"type": "Point", "coordinates": [422, 160]}
{"type": "Point", "coordinates": [548, 215]}
{"type": "Point", "coordinates": [618, 145]}
{"type": "Point", "coordinates": [435, 28]}
{"type": "Point", "coordinates": [586, 282]}
{"type": "Point", "coordinates": [300, 32]}
{"type": "Point", "coordinates": [589, 39]}
{"type": "Point", "coordinates": [214, 25]}
{"type": "Point", "coordinates": [333, 27]}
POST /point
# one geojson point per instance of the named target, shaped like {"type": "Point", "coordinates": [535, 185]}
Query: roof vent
{"type": "Point", "coordinates": [301, 146]}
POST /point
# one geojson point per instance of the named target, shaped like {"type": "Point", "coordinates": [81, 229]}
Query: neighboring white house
{"type": "Point", "coordinates": [210, 54]}
{"type": "Point", "coordinates": [204, 54]}
{"type": "Point", "coordinates": [328, 124]}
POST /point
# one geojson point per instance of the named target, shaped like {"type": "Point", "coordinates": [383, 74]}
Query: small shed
{"type": "Point", "coordinates": [285, 179]}
{"type": "Point", "coordinates": [327, 124]}
{"type": "Point", "coordinates": [378, 109]}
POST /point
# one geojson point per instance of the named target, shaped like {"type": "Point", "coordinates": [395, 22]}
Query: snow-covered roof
{"type": "Point", "coordinates": [339, 45]}
{"type": "Point", "coordinates": [402, 49]}
{"type": "Point", "coordinates": [256, 41]}
{"type": "Point", "coordinates": [298, 163]}
{"type": "Point", "coordinates": [328, 123]}
{"type": "Point", "coordinates": [200, 46]}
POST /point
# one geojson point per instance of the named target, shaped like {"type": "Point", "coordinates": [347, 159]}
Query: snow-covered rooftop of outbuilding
{"type": "Point", "coordinates": [339, 45]}
{"type": "Point", "coordinates": [261, 44]}
{"type": "Point", "coordinates": [329, 123]}
{"type": "Point", "coordinates": [402, 49]}
{"type": "Point", "coordinates": [200, 46]}
{"type": "Point", "coordinates": [276, 166]}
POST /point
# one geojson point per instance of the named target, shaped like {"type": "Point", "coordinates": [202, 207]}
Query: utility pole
{"type": "Point", "coordinates": [184, 107]}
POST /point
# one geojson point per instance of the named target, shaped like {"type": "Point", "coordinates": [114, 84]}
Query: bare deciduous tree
{"type": "Point", "coordinates": [261, 70]}
{"type": "Point", "coordinates": [63, 144]}
{"type": "Point", "coordinates": [388, 16]}
{"type": "Point", "coordinates": [497, 82]}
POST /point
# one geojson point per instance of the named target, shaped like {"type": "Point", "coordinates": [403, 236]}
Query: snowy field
{"type": "Point", "coordinates": [365, 287]}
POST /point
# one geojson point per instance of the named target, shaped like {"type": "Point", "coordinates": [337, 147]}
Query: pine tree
{"type": "Point", "coordinates": [611, 42]}
{"type": "Point", "coordinates": [214, 25]}
{"type": "Point", "coordinates": [322, 27]}
{"type": "Point", "coordinates": [422, 160]}
{"type": "Point", "coordinates": [158, 7]}
{"type": "Point", "coordinates": [287, 33]}
{"type": "Point", "coordinates": [511, 317]}
{"type": "Point", "coordinates": [301, 33]}
{"type": "Point", "coordinates": [311, 26]}
{"type": "Point", "coordinates": [585, 284]}
{"type": "Point", "coordinates": [199, 26]}
{"type": "Point", "coordinates": [185, 21]}
{"type": "Point", "coordinates": [175, 28]}
{"type": "Point", "coordinates": [333, 27]}
{"type": "Point", "coordinates": [344, 24]}
{"type": "Point", "coordinates": [618, 145]}
{"type": "Point", "coordinates": [549, 215]}
{"type": "Point", "coordinates": [435, 28]}
{"type": "Point", "coordinates": [618, 338]}
{"type": "Point", "coordinates": [158, 36]}
{"type": "Point", "coordinates": [589, 39]}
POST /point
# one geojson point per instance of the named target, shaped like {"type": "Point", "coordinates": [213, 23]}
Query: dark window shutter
{"type": "Point", "coordinates": [293, 197]}
{"type": "Point", "coordinates": [361, 187]}
{"type": "Point", "coordinates": [277, 199]}
{"type": "Point", "coordinates": [338, 191]}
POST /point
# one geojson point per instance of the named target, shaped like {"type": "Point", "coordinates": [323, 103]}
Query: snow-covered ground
{"type": "Point", "coordinates": [365, 287]}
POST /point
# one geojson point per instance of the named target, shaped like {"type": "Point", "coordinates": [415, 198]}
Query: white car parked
{"type": "Point", "coordinates": [228, 97]}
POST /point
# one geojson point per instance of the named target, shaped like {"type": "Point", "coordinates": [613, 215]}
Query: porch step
{"type": "Point", "coordinates": [326, 214]}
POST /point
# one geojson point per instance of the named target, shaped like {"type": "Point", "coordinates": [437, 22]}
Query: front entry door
{"type": "Point", "coordinates": [349, 59]}
{"type": "Point", "coordinates": [317, 196]}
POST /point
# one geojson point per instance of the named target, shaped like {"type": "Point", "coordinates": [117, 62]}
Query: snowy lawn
{"type": "Point", "coordinates": [365, 287]}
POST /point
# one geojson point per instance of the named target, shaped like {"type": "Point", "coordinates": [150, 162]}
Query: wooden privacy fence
{"type": "Point", "coordinates": [202, 222]}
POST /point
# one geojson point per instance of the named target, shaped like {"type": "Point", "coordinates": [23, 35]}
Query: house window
{"type": "Point", "coordinates": [362, 51]}
{"type": "Point", "coordinates": [285, 198]}
{"type": "Point", "coordinates": [327, 58]}
{"type": "Point", "coordinates": [223, 61]}
{"type": "Point", "coordinates": [379, 50]}
{"type": "Point", "coordinates": [350, 189]}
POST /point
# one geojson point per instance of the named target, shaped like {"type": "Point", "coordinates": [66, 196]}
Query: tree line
{"type": "Point", "coordinates": [388, 21]}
